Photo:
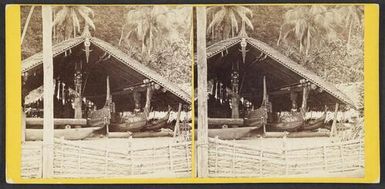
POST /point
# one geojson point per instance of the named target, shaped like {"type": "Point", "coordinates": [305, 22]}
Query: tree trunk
{"type": "Point", "coordinates": [147, 106]}
{"type": "Point", "coordinates": [177, 127]}
{"type": "Point", "coordinates": [48, 127]}
{"type": "Point", "coordinates": [349, 35]}
{"type": "Point", "coordinates": [27, 23]}
{"type": "Point", "coordinates": [202, 93]}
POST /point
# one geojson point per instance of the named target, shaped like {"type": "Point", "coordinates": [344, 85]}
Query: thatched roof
{"type": "Point", "coordinates": [263, 60]}
{"type": "Point", "coordinates": [104, 60]}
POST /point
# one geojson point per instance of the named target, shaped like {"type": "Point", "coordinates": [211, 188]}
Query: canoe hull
{"type": "Point", "coordinates": [286, 126]}
{"type": "Point", "coordinates": [128, 126]}
{"type": "Point", "coordinates": [256, 118]}
{"type": "Point", "coordinates": [315, 124]}
{"type": "Point", "coordinates": [99, 117]}
{"type": "Point", "coordinates": [157, 124]}
{"type": "Point", "coordinates": [131, 124]}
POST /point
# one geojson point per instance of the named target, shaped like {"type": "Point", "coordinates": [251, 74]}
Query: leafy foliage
{"type": "Point", "coordinates": [67, 21]}
{"type": "Point", "coordinates": [170, 54]}
{"type": "Point", "coordinates": [225, 20]}
{"type": "Point", "coordinates": [335, 50]}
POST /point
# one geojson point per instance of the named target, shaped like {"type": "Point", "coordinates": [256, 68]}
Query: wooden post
{"type": "Point", "coordinates": [153, 158]}
{"type": "Point", "coordinates": [305, 95]}
{"type": "Point", "coordinates": [137, 96]}
{"type": "Point", "coordinates": [147, 106]}
{"type": "Point", "coordinates": [342, 156]}
{"type": "Point", "coordinates": [27, 23]}
{"type": "Point", "coordinates": [216, 153]}
{"type": "Point", "coordinates": [78, 88]}
{"type": "Point", "coordinates": [284, 145]}
{"type": "Point", "coordinates": [131, 155]}
{"type": "Point", "coordinates": [293, 98]}
{"type": "Point", "coordinates": [176, 128]}
{"type": "Point", "coordinates": [108, 92]}
{"type": "Point", "coordinates": [62, 154]}
{"type": "Point", "coordinates": [333, 130]}
{"type": "Point", "coordinates": [324, 157]}
{"type": "Point", "coordinates": [23, 126]}
{"type": "Point", "coordinates": [233, 159]}
{"type": "Point", "coordinates": [234, 94]}
{"type": "Point", "coordinates": [170, 156]}
{"type": "Point", "coordinates": [48, 126]}
{"type": "Point", "coordinates": [265, 103]}
{"type": "Point", "coordinates": [202, 93]}
{"type": "Point", "coordinates": [106, 154]}
{"type": "Point", "coordinates": [261, 163]}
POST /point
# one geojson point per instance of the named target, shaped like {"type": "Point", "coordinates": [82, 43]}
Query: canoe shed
{"type": "Point", "coordinates": [97, 59]}
{"type": "Point", "coordinates": [253, 60]}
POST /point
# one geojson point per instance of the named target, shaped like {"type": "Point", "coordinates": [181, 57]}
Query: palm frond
{"type": "Point", "coordinates": [87, 19]}
{"type": "Point", "coordinates": [61, 15]}
{"type": "Point", "coordinates": [234, 22]}
{"type": "Point", "coordinates": [217, 19]}
{"type": "Point", "coordinates": [75, 20]}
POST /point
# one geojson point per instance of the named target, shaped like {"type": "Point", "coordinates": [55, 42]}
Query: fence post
{"type": "Point", "coordinates": [233, 159]}
{"type": "Point", "coordinates": [187, 153]}
{"type": "Point", "coordinates": [359, 153]}
{"type": "Point", "coordinates": [324, 157]}
{"type": "Point", "coordinates": [284, 144]}
{"type": "Point", "coordinates": [216, 154]}
{"type": "Point", "coordinates": [153, 158]}
{"type": "Point", "coordinates": [260, 162]}
{"type": "Point", "coordinates": [342, 156]}
{"type": "Point", "coordinates": [106, 154]}
{"type": "Point", "coordinates": [61, 142]}
{"type": "Point", "coordinates": [170, 156]}
{"type": "Point", "coordinates": [131, 156]}
{"type": "Point", "coordinates": [286, 162]}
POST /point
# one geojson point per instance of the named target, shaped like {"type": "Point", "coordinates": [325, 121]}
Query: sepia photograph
{"type": "Point", "coordinates": [280, 91]}
{"type": "Point", "coordinates": [106, 91]}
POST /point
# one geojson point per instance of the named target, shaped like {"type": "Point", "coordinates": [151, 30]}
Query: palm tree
{"type": "Point", "coordinates": [228, 18]}
{"type": "Point", "coordinates": [27, 23]}
{"type": "Point", "coordinates": [351, 18]}
{"type": "Point", "coordinates": [308, 25]}
{"type": "Point", "coordinates": [67, 19]}
{"type": "Point", "coordinates": [150, 26]}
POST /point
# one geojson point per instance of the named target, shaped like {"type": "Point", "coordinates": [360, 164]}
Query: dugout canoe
{"type": "Point", "coordinates": [315, 124]}
{"type": "Point", "coordinates": [132, 124]}
{"type": "Point", "coordinates": [156, 124]}
{"type": "Point", "coordinates": [256, 118]}
{"type": "Point", "coordinates": [286, 126]}
{"type": "Point", "coordinates": [99, 118]}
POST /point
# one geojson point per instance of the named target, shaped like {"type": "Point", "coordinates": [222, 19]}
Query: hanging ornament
{"type": "Point", "coordinates": [243, 49]}
{"type": "Point", "coordinates": [86, 49]}
{"type": "Point", "coordinates": [63, 94]}
{"type": "Point", "coordinates": [58, 93]}
{"type": "Point", "coordinates": [216, 90]}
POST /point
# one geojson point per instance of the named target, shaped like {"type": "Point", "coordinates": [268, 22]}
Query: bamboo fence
{"type": "Point", "coordinates": [228, 159]}
{"type": "Point", "coordinates": [72, 160]}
